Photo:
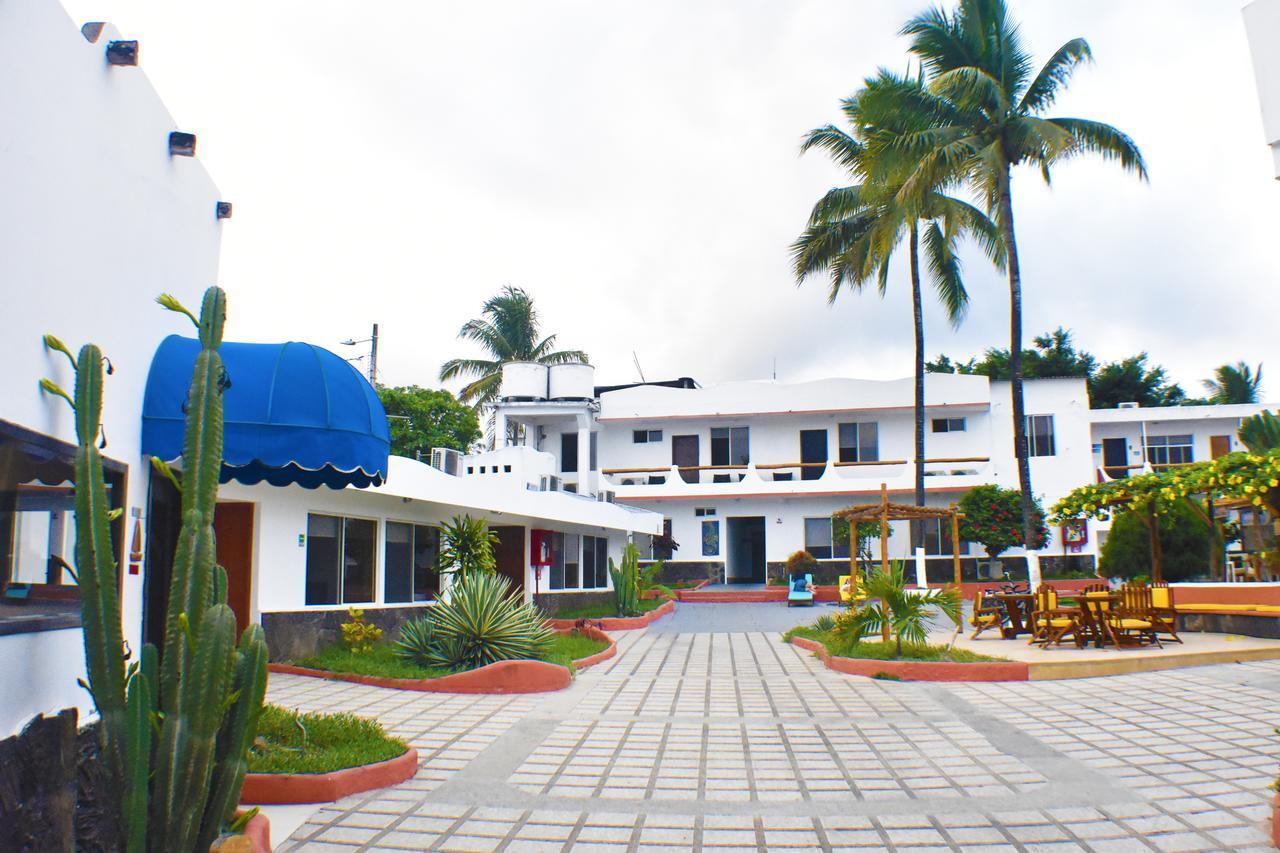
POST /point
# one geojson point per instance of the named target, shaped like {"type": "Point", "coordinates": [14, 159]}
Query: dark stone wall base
{"type": "Point", "coordinates": [552, 603]}
{"type": "Point", "coordinates": [294, 634]}
{"type": "Point", "coordinates": [674, 571]}
{"type": "Point", "coordinates": [1262, 626]}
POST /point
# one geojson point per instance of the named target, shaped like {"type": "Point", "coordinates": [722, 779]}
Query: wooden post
{"type": "Point", "coordinates": [884, 528]}
{"type": "Point", "coordinates": [955, 545]}
{"type": "Point", "coordinates": [853, 562]}
{"type": "Point", "coordinates": [1153, 528]}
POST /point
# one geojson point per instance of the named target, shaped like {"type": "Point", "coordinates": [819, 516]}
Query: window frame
{"type": "Point", "coordinates": [855, 449]}
{"type": "Point", "coordinates": [377, 539]}
{"type": "Point", "coordinates": [731, 443]}
{"type": "Point", "coordinates": [1043, 444]}
{"type": "Point", "coordinates": [413, 569]}
{"type": "Point", "coordinates": [568, 461]}
{"type": "Point", "coordinates": [646, 436]}
{"type": "Point", "coordinates": [949, 424]}
{"type": "Point", "coordinates": [830, 551]}
{"type": "Point", "coordinates": [1166, 448]}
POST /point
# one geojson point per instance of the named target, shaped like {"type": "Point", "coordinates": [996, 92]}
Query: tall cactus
{"type": "Point", "coordinates": [176, 725]}
{"type": "Point", "coordinates": [626, 581]}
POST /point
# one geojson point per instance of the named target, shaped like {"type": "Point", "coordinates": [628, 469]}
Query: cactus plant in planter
{"type": "Point", "coordinates": [177, 722]}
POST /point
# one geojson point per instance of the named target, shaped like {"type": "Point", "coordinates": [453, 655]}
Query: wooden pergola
{"type": "Point", "coordinates": [885, 512]}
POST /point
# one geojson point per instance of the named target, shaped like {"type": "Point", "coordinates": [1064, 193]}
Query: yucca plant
{"type": "Point", "coordinates": [483, 622]}
{"type": "Point", "coordinates": [626, 582]}
{"type": "Point", "coordinates": [176, 723]}
{"type": "Point", "coordinates": [466, 547]}
{"type": "Point", "coordinates": [898, 613]}
{"type": "Point", "coordinates": [418, 640]}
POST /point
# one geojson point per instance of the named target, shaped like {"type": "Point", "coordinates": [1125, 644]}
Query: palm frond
{"type": "Point", "coordinates": [944, 271]}
{"type": "Point", "coordinates": [1053, 75]}
{"type": "Point", "coordinates": [1095, 137]}
{"type": "Point", "coordinates": [843, 149]}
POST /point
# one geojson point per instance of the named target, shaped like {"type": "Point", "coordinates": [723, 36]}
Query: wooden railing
{"type": "Point", "coordinates": [774, 466]}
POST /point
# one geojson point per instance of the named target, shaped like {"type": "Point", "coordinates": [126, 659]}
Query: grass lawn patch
{"type": "Point", "coordinates": [566, 648]}
{"type": "Point", "coordinates": [876, 650]}
{"type": "Point", "coordinates": [381, 662]}
{"type": "Point", "coordinates": [606, 610]}
{"type": "Point", "coordinates": [289, 742]}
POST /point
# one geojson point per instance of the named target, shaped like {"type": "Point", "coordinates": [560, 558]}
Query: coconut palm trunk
{"type": "Point", "coordinates": [1005, 223]}
{"type": "Point", "coordinates": [917, 317]}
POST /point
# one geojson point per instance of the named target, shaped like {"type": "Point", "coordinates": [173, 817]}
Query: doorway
{"type": "Point", "coordinates": [509, 555]}
{"type": "Point", "coordinates": [745, 561]}
{"type": "Point", "coordinates": [684, 455]}
{"type": "Point", "coordinates": [233, 530]}
{"type": "Point", "coordinates": [1219, 445]}
{"type": "Point", "coordinates": [813, 453]}
{"type": "Point", "coordinates": [1115, 457]}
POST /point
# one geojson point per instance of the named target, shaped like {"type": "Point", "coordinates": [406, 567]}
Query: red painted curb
{"type": "Point", "coordinates": [1275, 820]}
{"type": "Point", "coordinates": [619, 623]}
{"type": "Point", "coordinates": [911, 670]}
{"type": "Point", "coordinates": [258, 831]}
{"type": "Point", "coordinates": [274, 789]}
{"type": "Point", "coordinates": [595, 634]}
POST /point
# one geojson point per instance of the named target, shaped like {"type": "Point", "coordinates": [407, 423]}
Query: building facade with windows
{"type": "Point", "coordinates": [746, 473]}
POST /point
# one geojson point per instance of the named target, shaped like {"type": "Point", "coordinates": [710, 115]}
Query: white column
{"type": "Point", "coordinates": [584, 457]}
{"type": "Point", "coordinates": [1033, 569]}
{"type": "Point", "coordinates": [499, 429]}
{"type": "Point", "coordinates": [922, 577]}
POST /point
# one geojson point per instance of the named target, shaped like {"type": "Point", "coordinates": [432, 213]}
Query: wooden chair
{"type": "Point", "coordinates": [1051, 623]}
{"type": "Point", "coordinates": [1162, 609]}
{"type": "Point", "coordinates": [1133, 619]}
{"type": "Point", "coordinates": [987, 613]}
{"type": "Point", "coordinates": [1095, 603]}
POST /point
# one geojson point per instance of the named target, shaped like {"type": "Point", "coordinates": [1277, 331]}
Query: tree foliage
{"type": "Point", "coordinates": [1234, 383]}
{"type": "Point", "coordinates": [992, 517]}
{"type": "Point", "coordinates": [1185, 541]}
{"type": "Point", "coordinates": [425, 418]}
{"type": "Point", "coordinates": [466, 548]}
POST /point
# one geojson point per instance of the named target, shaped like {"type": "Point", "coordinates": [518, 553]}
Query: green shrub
{"type": "Point", "coordinates": [292, 742]}
{"type": "Point", "coordinates": [824, 623]}
{"type": "Point", "coordinates": [1185, 541]}
{"type": "Point", "coordinates": [992, 517]}
{"type": "Point", "coordinates": [358, 635]}
{"type": "Point", "coordinates": [484, 621]}
{"type": "Point", "coordinates": [466, 547]}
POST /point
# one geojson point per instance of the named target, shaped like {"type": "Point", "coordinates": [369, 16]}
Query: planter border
{"type": "Point", "coordinates": [909, 670]}
{"type": "Point", "coordinates": [275, 789]}
{"type": "Point", "coordinates": [618, 623]}
{"type": "Point", "coordinates": [505, 676]}
{"type": "Point", "coordinates": [1275, 820]}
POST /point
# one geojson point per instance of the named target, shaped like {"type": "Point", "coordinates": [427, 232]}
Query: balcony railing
{"type": "Point", "coordinates": [831, 472]}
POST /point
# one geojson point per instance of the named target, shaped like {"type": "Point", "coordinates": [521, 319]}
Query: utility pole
{"type": "Point", "coordinates": [373, 357]}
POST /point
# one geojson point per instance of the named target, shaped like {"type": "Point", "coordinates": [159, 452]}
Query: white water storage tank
{"type": "Point", "coordinates": [573, 382]}
{"type": "Point", "coordinates": [524, 380]}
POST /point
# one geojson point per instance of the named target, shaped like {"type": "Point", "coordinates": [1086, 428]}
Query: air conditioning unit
{"type": "Point", "coordinates": [605, 497]}
{"type": "Point", "coordinates": [551, 483]}
{"type": "Point", "coordinates": [446, 460]}
{"type": "Point", "coordinates": [1129, 405]}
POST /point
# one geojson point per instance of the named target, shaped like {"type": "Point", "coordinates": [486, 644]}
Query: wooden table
{"type": "Point", "coordinates": [1094, 616]}
{"type": "Point", "coordinates": [1017, 609]}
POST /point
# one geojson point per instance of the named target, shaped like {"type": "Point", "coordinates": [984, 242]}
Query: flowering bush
{"type": "Point", "coordinates": [992, 517]}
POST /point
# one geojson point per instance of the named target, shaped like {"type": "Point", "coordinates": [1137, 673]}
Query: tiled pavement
{"type": "Point", "coordinates": [736, 742]}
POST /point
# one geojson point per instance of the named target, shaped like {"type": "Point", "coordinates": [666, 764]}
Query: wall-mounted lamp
{"type": "Point", "coordinates": [182, 144]}
{"type": "Point", "coordinates": [122, 52]}
{"type": "Point", "coordinates": [224, 210]}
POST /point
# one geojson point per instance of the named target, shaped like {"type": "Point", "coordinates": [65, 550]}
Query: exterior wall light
{"type": "Point", "coordinates": [224, 210]}
{"type": "Point", "coordinates": [122, 52]}
{"type": "Point", "coordinates": [182, 144]}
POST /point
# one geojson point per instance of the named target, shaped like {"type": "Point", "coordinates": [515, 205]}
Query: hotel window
{"type": "Point", "coordinates": [1040, 435]}
{"type": "Point", "coordinates": [937, 537]}
{"type": "Point", "coordinates": [948, 425]}
{"type": "Point", "coordinates": [1169, 449]}
{"type": "Point", "coordinates": [411, 558]}
{"type": "Point", "coordinates": [730, 446]}
{"type": "Point", "coordinates": [37, 518]}
{"type": "Point", "coordinates": [566, 550]}
{"type": "Point", "coordinates": [819, 538]}
{"type": "Point", "coordinates": [859, 442]}
{"type": "Point", "coordinates": [595, 562]}
{"type": "Point", "coordinates": [702, 511]}
{"type": "Point", "coordinates": [568, 453]}
{"type": "Point", "coordinates": [594, 451]}
{"type": "Point", "coordinates": [646, 436]}
{"type": "Point", "coordinates": [340, 559]}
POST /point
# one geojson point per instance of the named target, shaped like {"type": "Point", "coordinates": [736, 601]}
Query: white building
{"type": "Point", "coordinates": [104, 208]}
{"type": "Point", "coordinates": [746, 473]}
{"type": "Point", "coordinates": [1262, 25]}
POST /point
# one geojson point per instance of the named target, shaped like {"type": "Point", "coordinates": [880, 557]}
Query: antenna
{"type": "Point", "coordinates": [639, 370]}
{"type": "Point", "coordinates": [775, 368]}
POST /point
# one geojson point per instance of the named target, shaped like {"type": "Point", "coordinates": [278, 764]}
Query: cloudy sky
{"type": "Point", "coordinates": [634, 166]}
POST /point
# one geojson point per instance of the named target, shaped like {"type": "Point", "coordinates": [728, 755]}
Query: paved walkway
{"type": "Point", "coordinates": [736, 742]}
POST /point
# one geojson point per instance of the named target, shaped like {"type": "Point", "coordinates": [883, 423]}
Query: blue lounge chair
{"type": "Point", "coordinates": [798, 590]}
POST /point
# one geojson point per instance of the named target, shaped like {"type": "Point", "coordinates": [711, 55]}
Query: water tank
{"type": "Point", "coordinates": [572, 381]}
{"type": "Point", "coordinates": [524, 380]}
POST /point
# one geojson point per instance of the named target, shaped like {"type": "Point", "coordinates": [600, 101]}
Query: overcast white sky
{"type": "Point", "coordinates": [634, 166]}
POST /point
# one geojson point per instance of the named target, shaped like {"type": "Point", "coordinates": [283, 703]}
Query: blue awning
{"type": "Point", "coordinates": [294, 413]}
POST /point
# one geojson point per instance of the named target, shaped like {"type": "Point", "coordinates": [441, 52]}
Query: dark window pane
{"type": "Point", "coordinates": [359, 540]}
{"type": "Point", "coordinates": [719, 446]}
{"type": "Point", "coordinates": [557, 561]}
{"type": "Point", "coordinates": [868, 442]}
{"type": "Point", "coordinates": [569, 453]}
{"type": "Point", "coordinates": [572, 560]}
{"type": "Point", "coordinates": [426, 562]}
{"type": "Point", "coordinates": [639, 436]}
{"type": "Point", "coordinates": [397, 561]}
{"type": "Point", "coordinates": [324, 539]}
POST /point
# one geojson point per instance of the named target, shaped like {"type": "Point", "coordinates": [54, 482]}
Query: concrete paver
{"type": "Point", "coordinates": [730, 740]}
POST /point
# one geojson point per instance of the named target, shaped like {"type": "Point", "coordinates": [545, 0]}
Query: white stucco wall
{"type": "Point", "coordinates": [1262, 25]}
{"type": "Point", "coordinates": [96, 219]}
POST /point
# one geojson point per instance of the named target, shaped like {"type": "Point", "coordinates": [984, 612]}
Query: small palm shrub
{"type": "Point", "coordinates": [483, 622]}
{"type": "Point", "coordinates": [358, 635]}
{"type": "Point", "coordinates": [626, 582]}
{"type": "Point", "coordinates": [466, 547]}
{"type": "Point", "coordinates": [825, 623]}
{"type": "Point", "coordinates": [896, 612]}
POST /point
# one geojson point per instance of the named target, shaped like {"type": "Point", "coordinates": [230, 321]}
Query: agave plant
{"type": "Point", "coordinates": [898, 613]}
{"type": "Point", "coordinates": [483, 622]}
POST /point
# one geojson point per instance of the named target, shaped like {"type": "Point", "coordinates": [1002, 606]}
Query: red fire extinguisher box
{"type": "Point", "coordinates": [540, 547]}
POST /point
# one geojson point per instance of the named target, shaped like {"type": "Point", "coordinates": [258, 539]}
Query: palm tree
{"type": "Point", "coordinates": [508, 331]}
{"type": "Point", "coordinates": [854, 231]}
{"type": "Point", "coordinates": [897, 613]}
{"type": "Point", "coordinates": [1234, 383]}
{"type": "Point", "coordinates": [986, 104]}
